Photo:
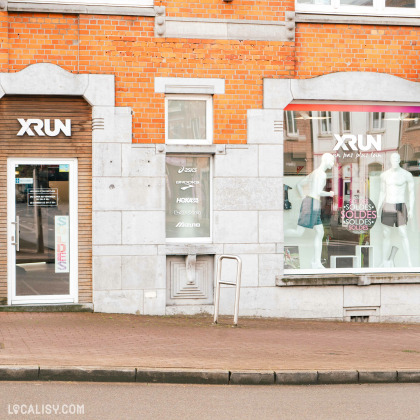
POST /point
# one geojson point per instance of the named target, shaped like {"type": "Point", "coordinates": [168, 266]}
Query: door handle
{"type": "Point", "coordinates": [17, 234]}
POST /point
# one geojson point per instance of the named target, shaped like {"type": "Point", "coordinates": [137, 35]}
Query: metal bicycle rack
{"type": "Point", "coordinates": [237, 284]}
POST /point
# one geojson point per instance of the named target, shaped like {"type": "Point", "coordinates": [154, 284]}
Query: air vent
{"type": "Point", "coordinates": [278, 126]}
{"type": "Point", "coordinates": [359, 318]}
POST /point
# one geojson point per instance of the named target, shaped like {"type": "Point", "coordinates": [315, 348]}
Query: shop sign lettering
{"type": "Point", "coordinates": [43, 127]}
{"type": "Point", "coordinates": [62, 244]}
{"type": "Point", "coordinates": [358, 142]}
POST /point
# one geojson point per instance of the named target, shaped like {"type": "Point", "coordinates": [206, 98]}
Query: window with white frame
{"type": "Point", "coordinates": [363, 7]}
{"type": "Point", "coordinates": [377, 122]}
{"type": "Point", "coordinates": [345, 123]}
{"type": "Point", "coordinates": [325, 123]}
{"type": "Point", "coordinates": [189, 119]}
{"type": "Point", "coordinates": [291, 124]}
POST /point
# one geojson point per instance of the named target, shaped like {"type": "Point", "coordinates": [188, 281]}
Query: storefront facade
{"type": "Point", "coordinates": [127, 169]}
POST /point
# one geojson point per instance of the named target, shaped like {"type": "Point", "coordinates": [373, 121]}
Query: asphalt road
{"type": "Point", "coordinates": [152, 401]}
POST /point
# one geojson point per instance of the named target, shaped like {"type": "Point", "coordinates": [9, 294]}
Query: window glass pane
{"type": "Point", "coordinates": [321, 2]}
{"type": "Point", "coordinates": [186, 120]}
{"type": "Point", "coordinates": [346, 121]}
{"type": "Point", "coordinates": [400, 3]}
{"type": "Point", "coordinates": [356, 2]}
{"type": "Point", "coordinates": [187, 197]}
{"type": "Point", "coordinates": [325, 118]}
{"type": "Point", "coordinates": [291, 123]}
{"type": "Point", "coordinates": [350, 199]}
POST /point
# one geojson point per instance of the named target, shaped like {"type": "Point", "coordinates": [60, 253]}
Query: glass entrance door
{"type": "Point", "coordinates": [42, 225]}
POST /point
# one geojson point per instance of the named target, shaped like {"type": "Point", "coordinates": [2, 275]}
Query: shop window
{"type": "Point", "coordinates": [351, 207]}
{"type": "Point", "coordinates": [188, 198]}
{"type": "Point", "coordinates": [362, 7]}
{"type": "Point", "coordinates": [189, 119]}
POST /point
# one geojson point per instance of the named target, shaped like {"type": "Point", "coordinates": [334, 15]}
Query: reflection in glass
{"type": "Point", "coordinates": [186, 119]}
{"type": "Point", "coordinates": [42, 209]}
{"type": "Point", "coordinates": [356, 2]}
{"type": "Point", "coordinates": [400, 3]}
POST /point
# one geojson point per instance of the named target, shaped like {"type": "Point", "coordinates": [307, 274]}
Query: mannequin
{"type": "Point", "coordinates": [395, 211]}
{"type": "Point", "coordinates": [310, 211]}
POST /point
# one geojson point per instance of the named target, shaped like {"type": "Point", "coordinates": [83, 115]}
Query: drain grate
{"type": "Point", "coordinates": [362, 318]}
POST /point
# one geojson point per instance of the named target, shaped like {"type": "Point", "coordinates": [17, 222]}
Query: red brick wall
{"type": "Point", "coordinates": [218, 9]}
{"type": "Point", "coordinates": [322, 49]}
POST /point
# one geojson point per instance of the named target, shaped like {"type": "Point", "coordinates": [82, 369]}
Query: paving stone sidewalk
{"type": "Point", "coordinates": [260, 344]}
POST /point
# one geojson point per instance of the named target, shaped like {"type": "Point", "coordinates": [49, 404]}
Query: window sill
{"type": "Point", "coordinates": [144, 8]}
{"type": "Point", "coordinates": [347, 279]}
{"type": "Point", "coordinates": [329, 18]}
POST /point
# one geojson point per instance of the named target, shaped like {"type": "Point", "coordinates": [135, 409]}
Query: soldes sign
{"type": "Point", "coordinates": [43, 127]}
{"type": "Point", "coordinates": [360, 142]}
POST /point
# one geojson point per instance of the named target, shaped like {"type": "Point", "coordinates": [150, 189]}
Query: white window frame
{"type": "Point", "coordinates": [381, 129]}
{"type": "Point", "coordinates": [292, 134]}
{"type": "Point", "coordinates": [202, 239]}
{"type": "Point", "coordinates": [378, 9]}
{"type": "Point", "coordinates": [208, 99]}
{"type": "Point", "coordinates": [342, 122]}
{"type": "Point", "coordinates": [329, 124]}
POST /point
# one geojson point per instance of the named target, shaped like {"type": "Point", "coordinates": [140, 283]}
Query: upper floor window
{"type": "Point", "coordinates": [373, 7]}
{"type": "Point", "coordinates": [189, 119]}
{"type": "Point", "coordinates": [291, 124]}
{"type": "Point", "coordinates": [377, 121]}
{"type": "Point", "coordinates": [325, 123]}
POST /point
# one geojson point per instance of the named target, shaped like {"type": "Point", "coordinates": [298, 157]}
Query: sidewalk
{"type": "Point", "coordinates": [257, 344]}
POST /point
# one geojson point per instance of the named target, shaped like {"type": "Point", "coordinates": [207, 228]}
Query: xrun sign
{"type": "Point", "coordinates": [356, 142]}
{"type": "Point", "coordinates": [43, 127]}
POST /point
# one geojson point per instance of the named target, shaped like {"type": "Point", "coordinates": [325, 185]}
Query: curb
{"type": "Point", "coordinates": [206, 376]}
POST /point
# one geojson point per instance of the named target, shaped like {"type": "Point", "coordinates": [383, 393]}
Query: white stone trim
{"type": "Point", "coordinates": [345, 86]}
{"type": "Point", "coordinates": [230, 29]}
{"type": "Point", "coordinates": [356, 19]}
{"type": "Point", "coordinates": [189, 85]}
{"type": "Point", "coordinates": [101, 7]}
{"type": "Point", "coordinates": [49, 79]}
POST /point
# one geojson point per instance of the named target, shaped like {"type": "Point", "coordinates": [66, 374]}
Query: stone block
{"type": "Point", "coordinates": [82, 374]}
{"type": "Point", "coordinates": [104, 250]}
{"type": "Point", "coordinates": [265, 126]}
{"type": "Point", "coordinates": [338, 377]}
{"type": "Point", "coordinates": [237, 162]}
{"type": "Point", "coordinates": [270, 266]}
{"type": "Point", "coordinates": [409, 376]}
{"type": "Point", "coordinates": [296, 377]}
{"type": "Point", "coordinates": [357, 296]}
{"type": "Point", "coordinates": [106, 228]}
{"type": "Point", "coordinates": [143, 227]}
{"type": "Point", "coordinates": [235, 227]}
{"type": "Point", "coordinates": [400, 300]}
{"type": "Point", "coordinates": [270, 161]}
{"type": "Point", "coordinates": [183, 376]}
{"type": "Point", "coordinates": [255, 248]}
{"type": "Point", "coordinates": [128, 193]}
{"type": "Point", "coordinates": [143, 272]}
{"type": "Point", "coordinates": [119, 301]}
{"type": "Point", "coordinates": [377, 376]}
{"type": "Point", "coordinates": [277, 94]}
{"type": "Point", "coordinates": [107, 273]}
{"type": "Point", "coordinates": [100, 90]}
{"type": "Point", "coordinates": [270, 227]}
{"type": "Point", "coordinates": [106, 159]}
{"type": "Point", "coordinates": [248, 194]}
{"type": "Point", "coordinates": [123, 126]}
{"type": "Point", "coordinates": [249, 276]}
{"type": "Point", "coordinates": [142, 161]}
{"type": "Point", "coordinates": [155, 302]}
{"type": "Point", "coordinates": [19, 373]}
{"type": "Point", "coordinates": [252, 378]}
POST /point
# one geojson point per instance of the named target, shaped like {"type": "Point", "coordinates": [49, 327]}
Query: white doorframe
{"type": "Point", "coordinates": [72, 297]}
